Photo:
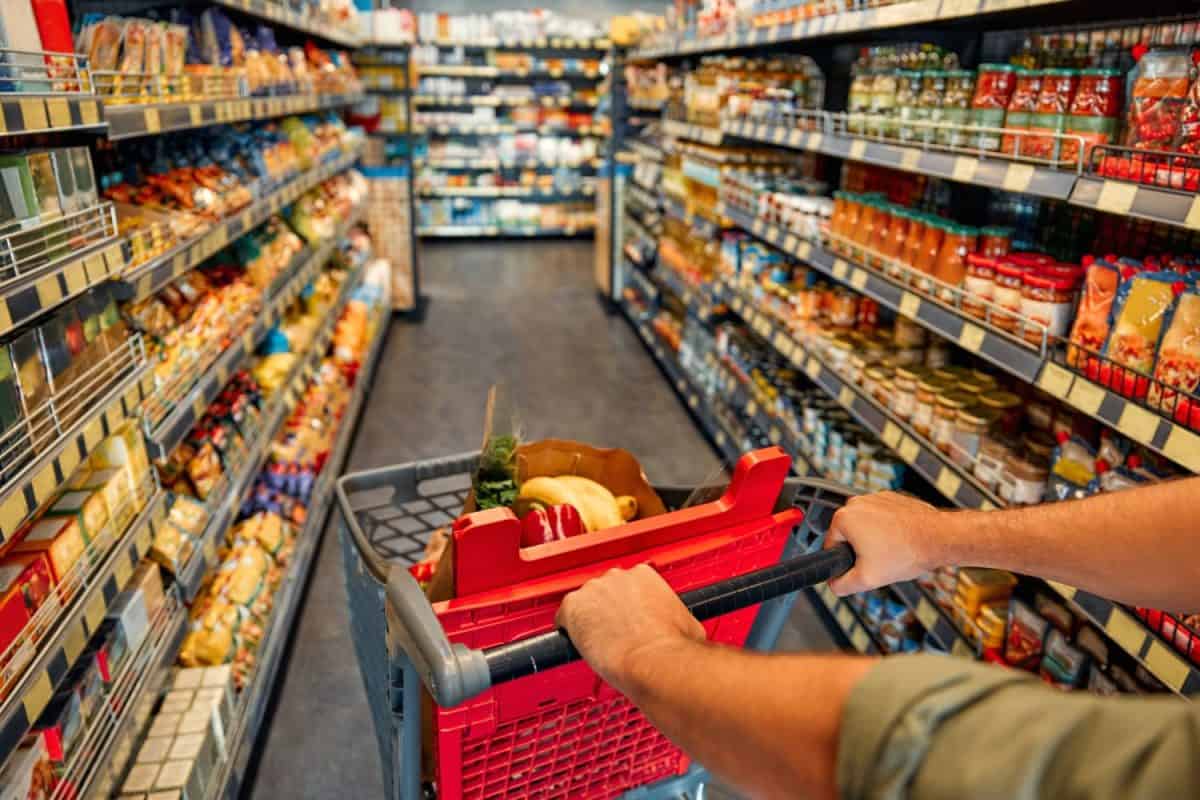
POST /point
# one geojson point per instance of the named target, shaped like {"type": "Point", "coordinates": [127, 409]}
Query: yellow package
{"type": "Point", "coordinates": [59, 538]}
{"type": "Point", "coordinates": [246, 577]}
{"type": "Point", "coordinates": [171, 548]}
{"type": "Point", "coordinates": [126, 450]}
{"type": "Point", "coordinates": [90, 510]}
{"type": "Point", "coordinates": [113, 486]}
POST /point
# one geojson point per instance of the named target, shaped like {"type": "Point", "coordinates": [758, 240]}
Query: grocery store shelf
{"type": "Point", "coordinates": [848, 621]}
{"type": "Point", "coordinates": [35, 287]}
{"type": "Point", "coordinates": [254, 699]}
{"type": "Point", "coordinates": [496, 231]}
{"type": "Point", "coordinates": [276, 11]}
{"type": "Point", "coordinates": [974, 168]}
{"type": "Point", "coordinates": [148, 278]}
{"type": "Point", "coordinates": [22, 114]}
{"type": "Point", "coordinates": [493, 100]}
{"type": "Point", "coordinates": [900, 14]}
{"type": "Point", "coordinates": [488, 71]}
{"type": "Point", "coordinates": [1128, 632]}
{"type": "Point", "coordinates": [98, 415]}
{"type": "Point", "coordinates": [168, 433]}
{"type": "Point", "coordinates": [953, 481]}
{"type": "Point", "coordinates": [128, 120]}
{"type": "Point", "coordinates": [491, 129]}
{"type": "Point", "coordinates": [522, 192]}
{"type": "Point", "coordinates": [226, 497]}
{"type": "Point", "coordinates": [1138, 200]}
{"type": "Point", "coordinates": [540, 42]}
{"type": "Point", "coordinates": [493, 164]}
{"type": "Point", "coordinates": [941, 629]}
{"type": "Point", "coordinates": [73, 626]}
{"type": "Point", "coordinates": [697, 133]}
{"type": "Point", "coordinates": [98, 757]}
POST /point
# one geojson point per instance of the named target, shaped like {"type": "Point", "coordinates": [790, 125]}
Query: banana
{"type": "Point", "coordinates": [628, 506]}
{"type": "Point", "coordinates": [547, 491]}
{"type": "Point", "coordinates": [601, 510]}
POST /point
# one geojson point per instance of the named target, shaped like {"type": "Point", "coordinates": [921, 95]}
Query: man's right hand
{"type": "Point", "coordinates": [894, 537]}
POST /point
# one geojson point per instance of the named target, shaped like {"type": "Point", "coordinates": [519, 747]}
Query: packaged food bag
{"type": "Point", "coordinates": [1093, 318]}
{"type": "Point", "coordinates": [1139, 315]}
{"type": "Point", "coordinates": [1177, 365]}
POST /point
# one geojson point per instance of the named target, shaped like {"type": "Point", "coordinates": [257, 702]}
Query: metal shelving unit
{"type": "Point", "coordinates": [127, 121]}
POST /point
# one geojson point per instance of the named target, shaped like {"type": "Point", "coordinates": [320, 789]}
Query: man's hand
{"type": "Point", "coordinates": [619, 618]}
{"type": "Point", "coordinates": [894, 538]}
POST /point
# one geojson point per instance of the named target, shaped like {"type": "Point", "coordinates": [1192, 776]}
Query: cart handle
{"type": "Point", "coordinates": [462, 673]}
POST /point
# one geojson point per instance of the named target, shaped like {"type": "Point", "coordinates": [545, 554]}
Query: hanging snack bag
{"type": "Point", "coordinates": [1139, 315]}
{"type": "Point", "coordinates": [1187, 174]}
{"type": "Point", "coordinates": [128, 84]}
{"type": "Point", "coordinates": [1160, 87]}
{"type": "Point", "coordinates": [1093, 318]}
{"type": "Point", "coordinates": [1177, 365]}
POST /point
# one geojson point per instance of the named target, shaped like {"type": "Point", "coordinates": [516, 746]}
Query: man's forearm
{"type": "Point", "coordinates": [768, 724]}
{"type": "Point", "coordinates": [1136, 546]}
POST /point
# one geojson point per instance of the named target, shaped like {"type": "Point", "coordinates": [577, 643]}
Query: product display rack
{"type": "Point", "coordinates": [253, 701]}
{"type": "Point", "coordinates": [122, 386]}
{"type": "Point", "coordinates": [1044, 364]}
{"type": "Point", "coordinates": [478, 80]}
{"type": "Point", "coordinates": [903, 14]}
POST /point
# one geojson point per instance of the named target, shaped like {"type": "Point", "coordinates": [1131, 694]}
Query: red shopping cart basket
{"type": "Point", "coordinates": [512, 719]}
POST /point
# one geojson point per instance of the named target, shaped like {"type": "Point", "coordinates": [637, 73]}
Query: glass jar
{"type": "Point", "coordinates": [837, 219]}
{"type": "Point", "coordinates": [882, 114]}
{"type": "Point", "coordinates": [1050, 114]}
{"type": "Point", "coordinates": [929, 104]}
{"type": "Point", "coordinates": [975, 384]}
{"type": "Point", "coordinates": [1007, 295]}
{"type": "Point", "coordinates": [1007, 406]}
{"type": "Point", "coordinates": [849, 225]}
{"type": "Point", "coordinates": [951, 265]}
{"type": "Point", "coordinates": [873, 378]}
{"type": "Point", "coordinates": [904, 392]}
{"type": "Point", "coordinates": [949, 372]}
{"type": "Point", "coordinates": [931, 244]}
{"type": "Point", "coordinates": [1020, 109]}
{"type": "Point", "coordinates": [843, 308]}
{"type": "Point", "coordinates": [858, 102]}
{"type": "Point", "coordinates": [858, 366]}
{"type": "Point", "coordinates": [839, 354]}
{"type": "Point", "coordinates": [996, 241]}
{"type": "Point", "coordinates": [881, 236]}
{"type": "Point", "coordinates": [937, 353]}
{"type": "Point", "coordinates": [991, 459]}
{"type": "Point", "coordinates": [917, 223]}
{"type": "Point", "coordinates": [978, 285]}
{"type": "Point", "coordinates": [893, 245]}
{"type": "Point", "coordinates": [993, 90]}
{"type": "Point", "coordinates": [1039, 445]}
{"type": "Point", "coordinates": [945, 413]}
{"type": "Point", "coordinates": [928, 389]}
{"type": "Point", "coordinates": [1095, 113]}
{"type": "Point", "coordinates": [970, 427]}
{"type": "Point", "coordinates": [1047, 304]}
{"type": "Point", "coordinates": [960, 86]}
{"type": "Point", "coordinates": [908, 334]}
{"type": "Point", "coordinates": [908, 90]}
{"type": "Point", "coordinates": [1039, 410]}
{"type": "Point", "coordinates": [866, 225]}
{"type": "Point", "coordinates": [1024, 481]}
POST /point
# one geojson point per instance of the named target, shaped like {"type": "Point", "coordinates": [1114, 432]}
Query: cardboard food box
{"type": "Point", "coordinates": [60, 540]}
{"type": "Point", "coordinates": [90, 512]}
{"type": "Point", "coordinates": [125, 449]}
{"type": "Point", "coordinates": [129, 611]}
{"type": "Point", "coordinates": [113, 486]}
{"type": "Point", "coordinates": [33, 382]}
{"type": "Point", "coordinates": [26, 584]}
{"type": "Point", "coordinates": [184, 776]}
{"type": "Point", "coordinates": [60, 725]}
{"type": "Point", "coordinates": [148, 579]}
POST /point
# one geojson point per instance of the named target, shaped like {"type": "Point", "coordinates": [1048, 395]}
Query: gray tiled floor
{"type": "Point", "coordinates": [520, 313]}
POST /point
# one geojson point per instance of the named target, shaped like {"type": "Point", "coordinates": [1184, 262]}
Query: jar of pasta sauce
{"type": "Point", "coordinates": [1095, 113]}
{"type": "Point", "coordinates": [995, 241]}
{"type": "Point", "coordinates": [865, 230]}
{"type": "Point", "coordinates": [945, 413]}
{"type": "Point", "coordinates": [904, 392]}
{"type": "Point", "coordinates": [950, 268]}
{"type": "Point", "coordinates": [1008, 294]}
{"type": "Point", "coordinates": [1048, 302]}
{"type": "Point", "coordinates": [931, 245]}
{"type": "Point", "coordinates": [917, 223]}
{"type": "Point", "coordinates": [956, 104]}
{"type": "Point", "coordinates": [893, 247]}
{"type": "Point", "coordinates": [979, 284]}
{"type": "Point", "coordinates": [1020, 110]}
{"type": "Point", "coordinates": [993, 90]}
{"type": "Point", "coordinates": [1050, 115]}
{"type": "Point", "coordinates": [879, 237]}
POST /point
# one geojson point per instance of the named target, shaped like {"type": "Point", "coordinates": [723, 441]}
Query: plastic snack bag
{"type": "Point", "coordinates": [1140, 312]}
{"type": "Point", "coordinates": [1093, 318]}
{"type": "Point", "coordinates": [1178, 362]}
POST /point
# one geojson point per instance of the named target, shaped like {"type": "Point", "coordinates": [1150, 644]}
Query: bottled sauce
{"type": "Point", "coordinates": [882, 116]}
{"type": "Point", "coordinates": [858, 103]}
{"type": "Point", "coordinates": [1047, 304]}
{"type": "Point", "coordinates": [993, 90]}
{"type": "Point", "coordinates": [960, 86]}
{"type": "Point", "coordinates": [916, 235]}
{"type": "Point", "coordinates": [1094, 114]}
{"type": "Point", "coordinates": [996, 241]}
{"type": "Point", "coordinates": [881, 235]}
{"type": "Point", "coordinates": [893, 246]}
{"type": "Point", "coordinates": [929, 104]}
{"type": "Point", "coordinates": [1007, 295]}
{"type": "Point", "coordinates": [904, 392]}
{"type": "Point", "coordinates": [950, 268]}
{"type": "Point", "coordinates": [1019, 113]}
{"type": "Point", "coordinates": [931, 245]}
{"type": "Point", "coordinates": [1050, 114]}
{"type": "Point", "coordinates": [908, 89]}
{"type": "Point", "coordinates": [979, 284]}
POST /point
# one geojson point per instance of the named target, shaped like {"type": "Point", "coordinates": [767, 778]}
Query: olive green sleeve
{"type": "Point", "coordinates": [929, 727]}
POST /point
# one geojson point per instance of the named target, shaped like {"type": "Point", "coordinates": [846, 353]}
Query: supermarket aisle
{"type": "Point", "coordinates": [523, 313]}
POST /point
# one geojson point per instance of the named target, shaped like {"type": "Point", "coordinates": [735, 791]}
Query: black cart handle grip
{"type": "Point", "coordinates": [528, 656]}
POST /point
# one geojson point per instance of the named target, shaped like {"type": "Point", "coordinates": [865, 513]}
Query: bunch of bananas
{"type": "Point", "coordinates": [598, 506]}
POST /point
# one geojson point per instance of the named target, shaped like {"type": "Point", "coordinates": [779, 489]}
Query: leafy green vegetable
{"type": "Point", "coordinates": [495, 480]}
{"type": "Point", "coordinates": [493, 494]}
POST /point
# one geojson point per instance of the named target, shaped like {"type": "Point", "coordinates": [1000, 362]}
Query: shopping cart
{"type": "Point", "coordinates": [502, 726]}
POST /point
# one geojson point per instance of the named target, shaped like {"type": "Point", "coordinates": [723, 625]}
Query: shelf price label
{"type": "Point", "coordinates": [1167, 666]}
{"type": "Point", "coordinates": [1055, 381]}
{"type": "Point", "coordinates": [840, 269]}
{"type": "Point", "coordinates": [1193, 218]}
{"type": "Point", "coordinates": [857, 148]}
{"type": "Point", "coordinates": [1017, 177]}
{"type": "Point", "coordinates": [891, 434]}
{"type": "Point", "coordinates": [1183, 447]}
{"type": "Point", "coordinates": [909, 159]}
{"type": "Point", "coordinates": [859, 640]}
{"type": "Point", "coordinates": [948, 483]}
{"type": "Point", "coordinates": [910, 305]}
{"type": "Point", "coordinates": [859, 279]}
{"type": "Point", "coordinates": [1116, 197]}
{"type": "Point", "coordinates": [846, 396]}
{"type": "Point", "coordinates": [909, 450]}
{"type": "Point", "coordinates": [971, 337]}
{"type": "Point", "coordinates": [926, 615]}
{"type": "Point", "coordinates": [1086, 396]}
{"type": "Point", "coordinates": [964, 169]}
{"type": "Point", "coordinates": [1137, 423]}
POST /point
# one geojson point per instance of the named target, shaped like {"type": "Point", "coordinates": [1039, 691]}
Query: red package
{"type": "Point", "coordinates": [550, 524]}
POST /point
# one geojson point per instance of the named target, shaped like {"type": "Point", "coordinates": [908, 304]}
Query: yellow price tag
{"type": "Point", "coordinates": [89, 112]}
{"type": "Point", "coordinates": [789, 244]}
{"type": "Point", "coordinates": [803, 250]}
{"type": "Point", "coordinates": [33, 114]}
{"type": "Point", "coordinates": [971, 337]}
{"type": "Point", "coordinates": [909, 449]}
{"type": "Point", "coordinates": [93, 614]}
{"type": "Point", "coordinates": [195, 115]}
{"type": "Point", "coordinates": [1123, 630]}
{"type": "Point", "coordinates": [948, 483]}
{"type": "Point", "coordinates": [926, 614]}
{"type": "Point", "coordinates": [859, 279]}
{"type": "Point", "coordinates": [1086, 396]}
{"type": "Point", "coordinates": [840, 269]}
{"type": "Point", "coordinates": [844, 616]}
{"type": "Point", "coordinates": [1193, 218]}
{"type": "Point", "coordinates": [1055, 381]}
{"type": "Point", "coordinates": [815, 140]}
{"type": "Point", "coordinates": [751, 409]}
{"type": "Point", "coordinates": [909, 159]}
{"type": "Point", "coordinates": [846, 397]}
{"type": "Point", "coordinates": [38, 695]}
{"type": "Point", "coordinates": [795, 138]}
{"type": "Point", "coordinates": [891, 434]}
{"type": "Point", "coordinates": [860, 640]}
{"type": "Point", "coordinates": [1137, 423]}
{"type": "Point", "coordinates": [153, 124]}
{"type": "Point", "coordinates": [1167, 666]}
{"type": "Point", "coordinates": [60, 112]}
{"type": "Point", "coordinates": [910, 305]}
{"type": "Point", "coordinates": [1116, 197]}
{"type": "Point", "coordinates": [812, 367]}
{"type": "Point", "coordinates": [1183, 447]}
{"type": "Point", "coordinates": [964, 169]}
{"type": "Point", "coordinates": [857, 148]}
{"type": "Point", "coordinates": [1017, 177]}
